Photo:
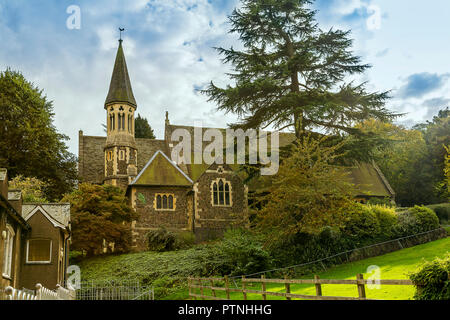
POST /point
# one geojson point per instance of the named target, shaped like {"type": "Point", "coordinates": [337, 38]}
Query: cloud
{"type": "Point", "coordinates": [419, 84]}
{"type": "Point", "coordinates": [362, 12]}
{"type": "Point", "coordinates": [434, 105]}
{"type": "Point", "coordinates": [382, 53]}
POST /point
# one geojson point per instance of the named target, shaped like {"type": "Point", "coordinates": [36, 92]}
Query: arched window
{"type": "Point", "coordinates": [165, 202]}
{"type": "Point", "coordinates": [221, 193]}
{"type": "Point", "coordinates": [215, 194]}
{"type": "Point", "coordinates": [112, 122]}
{"type": "Point", "coordinates": [123, 121]}
{"type": "Point", "coordinates": [227, 194]}
{"type": "Point", "coordinates": [170, 202]}
{"type": "Point", "coordinates": [158, 202]}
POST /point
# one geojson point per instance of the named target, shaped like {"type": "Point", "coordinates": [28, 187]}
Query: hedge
{"type": "Point", "coordinates": [432, 280]}
{"type": "Point", "coordinates": [442, 210]}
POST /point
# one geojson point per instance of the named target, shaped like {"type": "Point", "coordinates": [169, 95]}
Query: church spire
{"type": "Point", "coordinates": [120, 87]}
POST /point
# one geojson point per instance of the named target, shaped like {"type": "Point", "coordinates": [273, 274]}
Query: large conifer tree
{"type": "Point", "coordinates": [292, 74]}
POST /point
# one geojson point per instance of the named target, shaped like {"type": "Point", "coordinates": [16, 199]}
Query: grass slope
{"type": "Point", "coordinates": [394, 265]}
{"type": "Point", "coordinates": [160, 270]}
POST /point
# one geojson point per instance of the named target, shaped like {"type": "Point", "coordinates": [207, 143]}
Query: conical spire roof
{"type": "Point", "coordinates": [120, 86]}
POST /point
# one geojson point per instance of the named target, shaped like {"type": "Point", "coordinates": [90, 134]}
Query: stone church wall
{"type": "Point", "coordinates": [143, 199]}
{"type": "Point", "coordinates": [211, 221]}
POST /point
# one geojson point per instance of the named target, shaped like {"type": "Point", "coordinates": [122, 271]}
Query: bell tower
{"type": "Point", "coordinates": [120, 105]}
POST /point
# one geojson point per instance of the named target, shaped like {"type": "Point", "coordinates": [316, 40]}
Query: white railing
{"type": "Point", "coordinates": [42, 293]}
{"type": "Point", "coordinates": [15, 294]}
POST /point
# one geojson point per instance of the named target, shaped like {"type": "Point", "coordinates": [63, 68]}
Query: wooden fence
{"type": "Point", "coordinates": [197, 284]}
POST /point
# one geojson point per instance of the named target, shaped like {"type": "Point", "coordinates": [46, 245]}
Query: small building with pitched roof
{"type": "Point", "coordinates": [34, 242]}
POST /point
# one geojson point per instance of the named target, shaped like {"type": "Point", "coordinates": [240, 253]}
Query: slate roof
{"type": "Point", "coordinates": [59, 213]}
{"type": "Point", "coordinates": [161, 171]}
{"type": "Point", "coordinates": [120, 87]}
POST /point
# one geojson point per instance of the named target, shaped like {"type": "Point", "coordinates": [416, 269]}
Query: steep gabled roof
{"type": "Point", "coordinates": [57, 213]}
{"type": "Point", "coordinates": [120, 87]}
{"type": "Point", "coordinates": [161, 171]}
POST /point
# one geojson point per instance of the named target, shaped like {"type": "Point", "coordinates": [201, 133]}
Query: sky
{"type": "Point", "coordinates": [68, 47]}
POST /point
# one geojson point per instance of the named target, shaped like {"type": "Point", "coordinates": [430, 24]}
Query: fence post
{"type": "Point", "coordinates": [212, 288]}
{"type": "Point", "coordinates": [226, 287]}
{"type": "Point", "coordinates": [361, 286]}
{"type": "Point", "coordinates": [318, 286]}
{"type": "Point", "coordinates": [39, 291]}
{"type": "Point", "coordinates": [263, 287]}
{"type": "Point", "coordinates": [243, 288]}
{"type": "Point", "coordinates": [288, 287]}
{"type": "Point", "coordinates": [201, 289]}
{"type": "Point", "coordinates": [9, 291]}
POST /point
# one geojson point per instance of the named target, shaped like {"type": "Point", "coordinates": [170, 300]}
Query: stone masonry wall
{"type": "Point", "coordinates": [211, 221]}
{"type": "Point", "coordinates": [151, 219]}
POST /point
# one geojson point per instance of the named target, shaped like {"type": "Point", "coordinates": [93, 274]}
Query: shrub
{"type": "Point", "coordinates": [432, 280]}
{"type": "Point", "coordinates": [361, 224]}
{"type": "Point", "coordinates": [184, 240]}
{"type": "Point", "coordinates": [417, 220]}
{"type": "Point", "coordinates": [75, 256]}
{"type": "Point", "coordinates": [243, 252]}
{"type": "Point", "coordinates": [387, 219]}
{"type": "Point", "coordinates": [442, 210]}
{"type": "Point", "coordinates": [161, 240]}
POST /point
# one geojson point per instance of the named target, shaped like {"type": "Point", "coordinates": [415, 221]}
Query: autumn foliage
{"type": "Point", "coordinates": [100, 214]}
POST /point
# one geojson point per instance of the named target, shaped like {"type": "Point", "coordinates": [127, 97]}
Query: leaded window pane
{"type": "Point", "coordinates": [170, 202]}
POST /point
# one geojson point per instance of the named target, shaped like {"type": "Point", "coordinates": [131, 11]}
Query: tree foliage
{"type": "Point", "coordinates": [413, 160]}
{"type": "Point", "coordinates": [100, 214]}
{"type": "Point", "coordinates": [30, 145]}
{"type": "Point", "coordinates": [142, 128]}
{"type": "Point", "coordinates": [401, 161]}
{"type": "Point", "coordinates": [446, 182]}
{"type": "Point", "coordinates": [437, 135]}
{"type": "Point", "coordinates": [292, 74]}
{"type": "Point", "coordinates": [308, 193]}
{"type": "Point", "coordinates": [32, 188]}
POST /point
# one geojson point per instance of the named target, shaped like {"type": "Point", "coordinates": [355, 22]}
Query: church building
{"type": "Point", "coordinates": [199, 198]}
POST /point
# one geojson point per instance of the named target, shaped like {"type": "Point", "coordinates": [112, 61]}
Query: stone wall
{"type": "Point", "coordinates": [211, 221]}
{"type": "Point", "coordinates": [143, 200]}
{"type": "Point", "coordinates": [91, 158]}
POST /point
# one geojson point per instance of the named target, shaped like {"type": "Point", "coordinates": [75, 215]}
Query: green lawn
{"type": "Point", "coordinates": [394, 265]}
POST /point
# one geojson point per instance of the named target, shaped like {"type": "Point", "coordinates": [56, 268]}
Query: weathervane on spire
{"type": "Point", "coordinates": [121, 30]}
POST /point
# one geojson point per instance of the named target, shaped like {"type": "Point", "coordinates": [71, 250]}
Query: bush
{"type": "Point", "coordinates": [361, 224]}
{"type": "Point", "coordinates": [387, 219]}
{"type": "Point", "coordinates": [161, 240]}
{"type": "Point", "coordinates": [184, 240]}
{"type": "Point", "coordinates": [442, 210]}
{"type": "Point", "coordinates": [75, 256]}
{"type": "Point", "coordinates": [417, 220]}
{"type": "Point", "coordinates": [432, 280]}
{"type": "Point", "coordinates": [243, 252]}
